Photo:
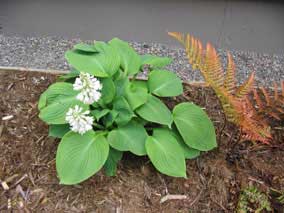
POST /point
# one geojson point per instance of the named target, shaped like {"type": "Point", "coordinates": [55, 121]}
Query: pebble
{"type": "Point", "coordinates": [48, 53]}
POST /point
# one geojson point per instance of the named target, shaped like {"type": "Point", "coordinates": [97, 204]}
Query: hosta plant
{"type": "Point", "coordinates": [100, 110]}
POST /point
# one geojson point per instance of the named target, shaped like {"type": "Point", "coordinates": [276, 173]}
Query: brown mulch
{"type": "Point", "coordinates": [214, 181]}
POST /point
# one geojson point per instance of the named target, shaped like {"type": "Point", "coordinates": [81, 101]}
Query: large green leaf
{"type": "Point", "coordinates": [58, 98]}
{"type": "Point", "coordinates": [121, 86]}
{"type": "Point", "coordinates": [114, 157]}
{"type": "Point", "coordinates": [119, 75]}
{"type": "Point", "coordinates": [79, 157]}
{"type": "Point", "coordinates": [131, 137]}
{"type": "Point", "coordinates": [108, 90]}
{"type": "Point", "coordinates": [156, 111]}
{"type": "Point", "coordinates": [85, 48]}
{"type": "Point", "coordinates": [55, 113]}
{"type": "Point", "coordinates": [189, 153]}
{"type": "Point", "coordinates": [194, 126]}
{"type": "Point", "coordinates": [42, 102]}
{"type": "Point", "coordinates": [140, 83]}
{"type": "Point", "coordinates": [136, 96]}
{"type": "Point", "coordinates": [56, 91]}
{"type": "Point", "coordinates": [155, 61]}
{"type": "Point", "coordinates": [166, 154]}
{"type": "Point", "coordinates": [69, 76]}
{"type": "Point", "coordinates": [125, 112]}
{"type": "Point", "coordinates": [102, 64]}
{"type": "Point", "coordinates": [109, 119]}
{"type": "Point", "coordinates": [58, 131]}
{"type": "Point", "coordinates": [164, 83]}
{"type": "Point", "coordinates": [56, 101]}
{"type": "Point", "coordinates": [130, 60]}
{"type": "Point", "coordinates": [99, 113]}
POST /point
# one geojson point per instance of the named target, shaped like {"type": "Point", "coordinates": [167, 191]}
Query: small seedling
{"type": "Point", "coordinates": [252, 200]}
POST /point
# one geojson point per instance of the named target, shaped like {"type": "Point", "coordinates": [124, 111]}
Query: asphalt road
{"type": "Point", "coordinates": [240, 25]}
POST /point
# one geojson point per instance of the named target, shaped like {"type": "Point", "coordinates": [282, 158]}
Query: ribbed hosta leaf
{"type": "Point", "coordinates": [166, 154]}
{"type": "Point", "coordinates": [130, 60]}
{"type": "Point", "coordinates": [69, 76]}
{"type": "Point", "coordinates": [85, 48]}
{"type": "Point", "coordinates": [55, 113]}
{"type": "Point", "coordinates": [156, 111]}
{"type": "Point", "coordinates": [108, 90]}
{"type": "Point", "coordinates": [102, 64]}
{"type": "Point", "coordinates": [55, 92]}
{"type": "Point", "coordinates": [189, 153]}
{"type": "Point", "coordinates": [155, 61]}
{"type": "Point", "coordinates": [131, 137]}
{"type": "Point", "coordinates": [194, 126]}
{"type": "Point", "coordinates": [136, 96]}
{"type": "Point", "coordinates": [110, 165]}
{"type": "Point", "coordinates": [80, 156]}
{"type": "Point", "coordinates": [56, 101]}
{"type": "Point", "coordinates": [164, 83]}
{"type": "Point", "coordinates": [125, 113]}
{"type": "Point", "coordinates": [99, 113]}
{"type": "Point", "coordinates": [58, 131]}
{"type": "Point", "coordinates": [140, 83]}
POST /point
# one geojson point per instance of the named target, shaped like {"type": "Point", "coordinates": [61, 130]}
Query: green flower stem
{"type": "Point", "coordinates": [102, 132]}
{"type": "Point", "coordinates": [98, 126]}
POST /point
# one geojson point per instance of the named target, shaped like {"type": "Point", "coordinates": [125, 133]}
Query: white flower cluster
{"type": "Point", "coordinates": [78, 120]}
{"type": "Point", "coordinates": [89, 88]}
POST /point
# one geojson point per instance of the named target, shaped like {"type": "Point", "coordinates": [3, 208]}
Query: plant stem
{"type": "Point", "coordinates": [98, 126]}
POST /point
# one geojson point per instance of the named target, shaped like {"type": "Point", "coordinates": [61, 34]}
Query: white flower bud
{"type": "Point", "coordinates": [78, 120]}
{"type": "Point", "coordinates": [89, 88]}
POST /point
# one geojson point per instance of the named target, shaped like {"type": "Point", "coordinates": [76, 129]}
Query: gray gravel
{"type": "Point", "coordinates": [48, 53]}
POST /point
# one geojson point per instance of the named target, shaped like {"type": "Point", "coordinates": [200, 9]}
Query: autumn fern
{"type": "Point", "coordinates": [268, 103]}
{"type": "Point", "coordinates": [235, 102]}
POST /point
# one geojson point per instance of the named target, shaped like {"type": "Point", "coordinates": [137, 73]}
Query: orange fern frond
{"type": "Point", "coordinates": [282, 88]}
{"type": "Point", "coordinates": [246, 87]}
{"type": "Point", "coordinates": [251, 121]}
{"type": "Point", "coordinates": [213, 68]}
{"type": "Point", "coordinates": [234, 102]}
{"type": "Point", "coordinates": [276, 96]}
{"type": "Point", "coordinates": [266, 96]}
{"type": "Point", "coordinates": [258, 100]}
{"type": "Point", "coordinates": [268, 103]}
{"type": "Point", "coordinates": [230, 82]}
{"type": "Point", "coordinates": [178, 36]}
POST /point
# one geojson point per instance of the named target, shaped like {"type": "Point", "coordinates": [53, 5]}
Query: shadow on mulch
{"type": "Point", "coordinates": [214, 180]}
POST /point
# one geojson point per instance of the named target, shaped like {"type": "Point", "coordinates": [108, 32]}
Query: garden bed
{"type": "Point", "coordinates": [215, 179]}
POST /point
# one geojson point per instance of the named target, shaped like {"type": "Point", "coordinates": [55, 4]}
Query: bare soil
{"type": "Point", "coordinates": [215, 179]}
